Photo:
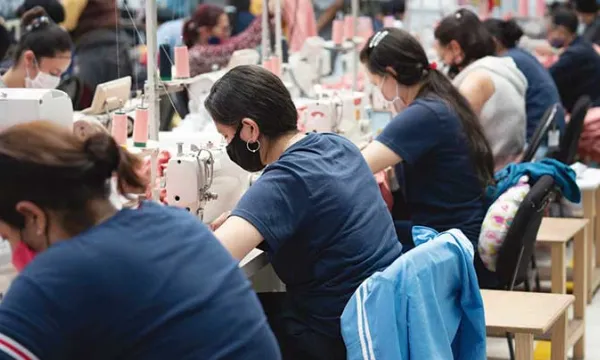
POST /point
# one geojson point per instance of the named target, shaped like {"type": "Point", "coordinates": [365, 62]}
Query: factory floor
{"type": "Point", "coordinates": [498, 348]}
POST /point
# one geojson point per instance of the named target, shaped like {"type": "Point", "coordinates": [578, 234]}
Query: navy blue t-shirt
{"type": "Point", "coordinates": [541, 90]}
{"type": "Point", "coordinates": [150, 283]}
{"type": "Point", "coordinates": [577, 73]}
{"type": "Point", "coordinates": [325, 225]}
{"type": "Point", "coordinates": [442, 189]}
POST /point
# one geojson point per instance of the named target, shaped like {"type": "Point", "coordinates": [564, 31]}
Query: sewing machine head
{"type": "Point", "coordinates": [200, 89]}
{"type": "Point", "coordinates": [19, 106]}
{"type": "Point", "coordinates": [202, 178]}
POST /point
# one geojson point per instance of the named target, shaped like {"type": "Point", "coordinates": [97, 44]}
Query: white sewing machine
{"type": "Point", "coordinates": [200, 176]}
{"type": "Point", "coordinates": [307, 66]}
{"type": "Point", "coordinates": [342, 112]}
{"type": "Point", "coordinates": [19, 106]}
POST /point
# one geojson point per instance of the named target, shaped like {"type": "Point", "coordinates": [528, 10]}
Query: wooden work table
{"type": "Point", "coordinates": [527, 315]}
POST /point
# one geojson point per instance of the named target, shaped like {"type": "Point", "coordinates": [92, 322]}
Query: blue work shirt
{"type": "Point", "coordinates": [149, 283]}
{"type": "Point", "coordinates": [442, 189]}
{"type": "Point", "coordinates": [325, 225]}
{"type": "Point", "coordinates": [577, 73]}
{"type": "Point", "coordinates": [541, 90]}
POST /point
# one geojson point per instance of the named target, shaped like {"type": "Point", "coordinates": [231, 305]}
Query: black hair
{"type": "Point", "coordinates": [53, 8]}
{"type": "Point", "coordinates": [41, 35]}
{"type": "Point", "coordinates": [586, 6]}
{"type": "Point", "coordinates": [250, 91]}
{"type": "Point", "coordinates": [399, 50]}
{"type": "Point", "coordinates": [393, 7]}
{"type": "Point", "coordinates": [240, 5]}
{"type": "Point", "coordinates": [566, 18]}
{"type": "Point", "coordinates": [464, 27]}
{"type": "Point", "coordinates": [53, 168]}
{"type": "Point", "coordinates": [507, 32]}
{"type": "Point", "coordinates": [558, 5]}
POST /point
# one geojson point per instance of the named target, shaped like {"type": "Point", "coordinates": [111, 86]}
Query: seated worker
{"type": "Point", "coordinates": [588, 16]}
{"type": "Point", "coordinates": [316, 210]}
{"type": "Point", "coordinates": [577, 71]}
{"type": "Point", "coordinates": [395, 8]}
{"type": "Point", "coordinates": [243, 16]}
{"type": "Point", "coordinates": [494, 86]}
{"type": "Point", "coordinates": [54, 9]}
{"type": "Point", "coordinates": [145, 283]}
{"type": "Point", "coordinates": [42, 54]}
{"type": "Point", "coordinates": [436, 136]}
{"type": "Point", "coordinates": [541, 90]}
{"type": "Point", "coordinates": [207, 34]}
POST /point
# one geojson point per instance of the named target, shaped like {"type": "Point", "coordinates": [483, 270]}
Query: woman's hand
{"type": "Point", "coordinates": [219, 221]}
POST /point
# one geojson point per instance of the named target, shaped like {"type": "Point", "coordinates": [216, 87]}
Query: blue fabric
{"type": "Point", "coordinates": [577, 73]}
{"type": "Point", "coordinates": [563, 175]}
{"type": "Point", "coordinates": [442, 188]}
{"type": "Point", "coordinates": [426, 305]}
{"type": "Point", "coordinates": [151, 283]}
{"type": "Point", "coordinates": [170, 33]}
{"type": "Point", "coordinates": [325, 225]}
{"type": "Point", "coordinates": [541, 90]}
{"type": "Point", "coordinates": [243, 20]}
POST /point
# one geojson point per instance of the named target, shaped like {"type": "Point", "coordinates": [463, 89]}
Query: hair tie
{"type": "Point", "coordinates": [37, 23]}
{"type": "Point", "coordinates": [432, 66]}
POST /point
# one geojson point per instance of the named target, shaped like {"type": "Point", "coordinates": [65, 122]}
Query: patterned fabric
{"type": "Point", "coordinates": [497, 221]}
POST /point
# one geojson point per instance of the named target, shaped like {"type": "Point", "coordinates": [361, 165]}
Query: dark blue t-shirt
{"type": "Point", "coordinates": [577, 73]}
{"type": "Point", "coordinates": [541, 90]}
{"type": "Point", "coordinates": [442, 189]}
{"type": "Point", "coordinates": [151, 283]}
{"type": "Point", "coordinates": [325, 225]}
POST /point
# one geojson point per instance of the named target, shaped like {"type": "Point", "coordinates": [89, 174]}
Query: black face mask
{"type": "Point", "coordinates": [244, 154]}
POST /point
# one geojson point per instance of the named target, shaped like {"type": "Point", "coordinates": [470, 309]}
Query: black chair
{"type": "Point", "coordinates": [540, 133]}
{"type": "Point", "coordinates": [512, 264]}
{"type": "Point", "coordinates": [569, 142]}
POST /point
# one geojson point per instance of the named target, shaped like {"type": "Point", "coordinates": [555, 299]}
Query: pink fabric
{"type": "Point", "coordinates": [299, 17]}
{"type": "Point", "coordinates": [384, 187]}
{"type": "Point", "coordinates": [21, 256]}
{"type": "Point", "coordinates": [589, 144]}
{"type": "Point", "coordinates": [346, 83]}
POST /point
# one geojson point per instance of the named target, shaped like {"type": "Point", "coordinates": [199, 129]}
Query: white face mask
{"type": "Point", "coordinates": [397, 103]}
{"type": "Point", "coordinates": [42, 80]}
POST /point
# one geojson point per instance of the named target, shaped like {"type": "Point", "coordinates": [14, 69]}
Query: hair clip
{"type": "Point", "coordinates": [458, 15]}
{"type": "Point", "coordinates": [433, 65]}
{"type": "Point", "coordinates": [377, 38]}
{"type": "Point", "coordinates": [37, 23]}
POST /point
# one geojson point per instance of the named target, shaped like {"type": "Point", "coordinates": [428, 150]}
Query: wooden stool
{"type": "Point", "coordinates": [526, 315]}
{"type": "Point", "coordinates": [590, 199]}
{"type": "Point", "coordinates": [556, 233]}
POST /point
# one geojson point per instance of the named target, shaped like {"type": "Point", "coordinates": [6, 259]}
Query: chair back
{"type": "Point", "coordinates": [540, 133]}
{"type": "Point", "coordinates": [515, 254]}
{"type": "Point", "coordinates": [570, 140]}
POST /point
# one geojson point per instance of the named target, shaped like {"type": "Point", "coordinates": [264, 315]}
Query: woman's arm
{"type": "Point", "coordinates": [477, 88]}
{"type": "Point", "coordinates": [238, 236]}
{"type": "Point", "coordinates": [379, 157]}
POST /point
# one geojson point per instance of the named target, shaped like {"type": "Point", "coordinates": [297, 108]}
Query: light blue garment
{"type": "Point", "coordinates": [563, 175]}
{"type": "Point", "coordinates": [170, 33]}
{"type": "Point", "coordinates": [426, 305]}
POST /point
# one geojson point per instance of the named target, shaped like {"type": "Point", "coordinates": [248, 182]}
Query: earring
{"type": "Point", "coordinates": [253, 150]}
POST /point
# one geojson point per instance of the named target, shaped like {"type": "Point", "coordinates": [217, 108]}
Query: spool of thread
{"type": "Point", "coordinates": [337, 31]}
{"type": "Point", "coordinates": [349, 27]}
{"type": "Point", "coordinates": [276, 65]}
{"type": "Point", "coordinates": [389, 22]}
{"type": "Point", "coordinates": [268, 64]}
{"type": "Point", "coordinates": [140, 127]}
{"type": "Point", "coordinates": [540, 8]}
{"type": "Point", "coordinates": [182, 62]}
{"type": "Point", "coordinates": [164, 62]}
{"type": "Point", "coordinates": [118, 128]}
{"type": "Point", "coordinates": [524, 8]}
{"type": "Point", "coordinates": [365, 27]}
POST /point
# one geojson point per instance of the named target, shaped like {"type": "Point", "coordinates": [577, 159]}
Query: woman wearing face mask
{"type": "Point", "coordinates": [42, 54]}
{"type": "Point", "coordinates": [207, 34]}
{"type": "Point", "coordinates": [447, 162]}
{"type": "Point", "coordinates": [102, 283]}
{"type": "Point", "coordinates": [494, 86]}
{"type": "Point", "coordinates": [541, 90]}
{"type": "Point", "coordinates": [316, 210]}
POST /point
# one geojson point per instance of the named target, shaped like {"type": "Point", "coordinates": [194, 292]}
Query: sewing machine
{"type": "Point", "coordinates": [200, 177]}
{"type": "Point", "coordinates": [342, 112]}
{"type": "Point", "coordinates": [19, 106]}
{"type": "Point", "coordinates": [307, 66]}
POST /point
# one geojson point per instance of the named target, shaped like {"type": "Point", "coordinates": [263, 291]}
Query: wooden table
{"type": "Point", "coordinates": [526, 315]}
{"type": "Point", "coordinates": [590, 201]}
{"type": "Point", "coordinates": [556, 233]}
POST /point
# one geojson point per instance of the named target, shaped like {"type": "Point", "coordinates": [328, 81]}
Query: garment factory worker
{"type": "Point", "coordinates": [316, 210]}
{"type": "Point", "coordinates": [53, 8]}
{"type": "Point", "coordinates": [588, 17]}
{"type": "Point", "coordinates": [541, 90]}
{"type": "Point", "coordinates": [436, 136]}
{"type": "Point", "coordinates": [207, 34]}
{"type": "Point", "coordinates": [577, 71]}
{"type": "Point", "coordinates": [494, 86]}
{"type": "Point", "coordinates": [145, 283]}
{"type": "Point", "coordinates": [42, 54]}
